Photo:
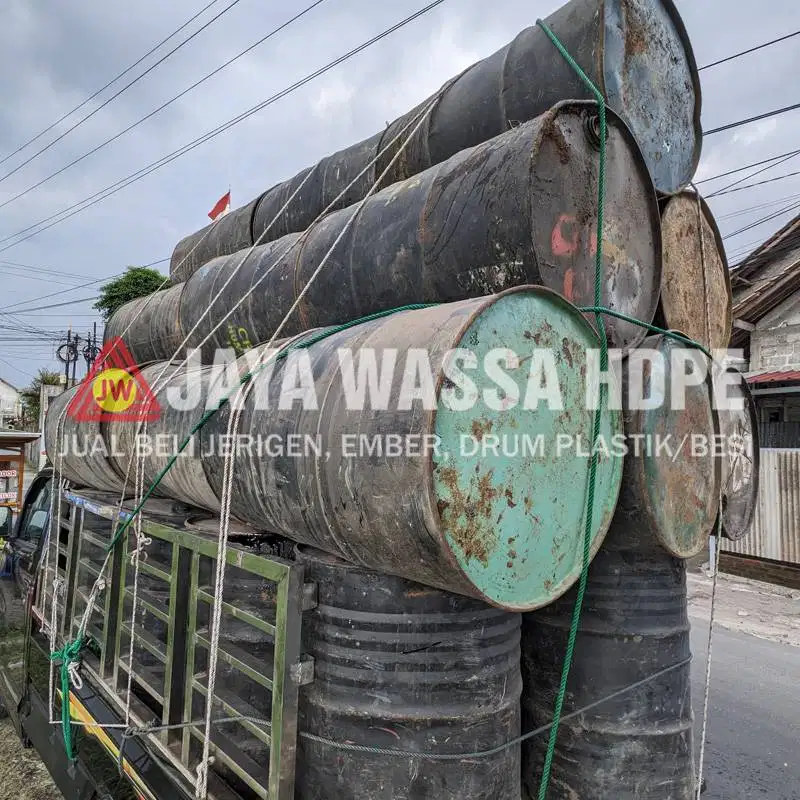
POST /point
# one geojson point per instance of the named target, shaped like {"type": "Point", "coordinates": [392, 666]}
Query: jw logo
{"type": "Point", "coordinates": [114, 390]}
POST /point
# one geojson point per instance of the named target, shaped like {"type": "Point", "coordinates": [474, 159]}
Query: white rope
{"type": "Point", "coordinates": [141, 543]}
{"type": "Point", "coordinates": [201, 787]}
{"type": "Point", "coordinates": [159, 382]}
{"type": "Point", "coordinates": [707, 688]}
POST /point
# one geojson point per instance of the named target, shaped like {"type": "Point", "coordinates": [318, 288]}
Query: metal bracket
{"type": "Point", "coordinates": [309, 600]}
{"type": "Point", "coordinates": [302, 671]}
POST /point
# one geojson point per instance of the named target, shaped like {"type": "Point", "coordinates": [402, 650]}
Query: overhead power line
{"type": "Point", "coordinates": [740, 123]}
{"type": "Point", "coordinates": [120, 91]}
{"type": "Point", "coordinates": [112, 81]}
{"type": "Point", "coordinates": [108, 191]}
{"type": "Point", "coordinates": [54, 305]}
{"type": "Point", "coordinates": [757, 183]}
{"type": "Point", "coordinates": [81, 286]}
{"type": "Point", "coordinates": [751, 50]}
{"type": "Point", "coordinates": [42, 270]}
{"type": "Point", "coordinates": [169, 102]}
{"type": "Point", "coordinates": [763, 220]}
{"type": "Point", "coordinates": [749, 166]}
{"type": "Point", "coordinates": [730, 186]}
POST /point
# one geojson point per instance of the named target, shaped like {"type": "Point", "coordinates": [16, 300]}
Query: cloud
{"type": "Point", "coordinates": [52, 58]}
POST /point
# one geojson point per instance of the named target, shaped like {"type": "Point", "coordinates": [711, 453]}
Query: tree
{"type": "Point", "coordinates": [30, 395]}
{"type": "Point", "coordinates": [134, 282]}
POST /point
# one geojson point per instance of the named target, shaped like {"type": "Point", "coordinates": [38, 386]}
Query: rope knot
{"type": "Point", "coordinates": [139, 552]}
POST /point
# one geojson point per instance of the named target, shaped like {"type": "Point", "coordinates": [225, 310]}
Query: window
{"type": "Point", "coordinates": [774, 416]}
{"type": "Point", "coordinates": [36, 513]}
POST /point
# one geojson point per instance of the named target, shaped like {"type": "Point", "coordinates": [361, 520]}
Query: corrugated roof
{"type": "Point", "coordinates": [786, 376]}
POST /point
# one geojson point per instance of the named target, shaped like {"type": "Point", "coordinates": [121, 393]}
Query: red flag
{"type": "Point", "coordinates": [222, 206]}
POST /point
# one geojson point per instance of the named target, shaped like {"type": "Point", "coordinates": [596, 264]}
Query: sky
{"type": "Point", "coordinates": [53, 56]}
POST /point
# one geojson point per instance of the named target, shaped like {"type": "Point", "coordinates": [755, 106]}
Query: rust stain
{"type": "Point", "coordinates": [552, 130]}
{"type": "Point", "coordinates": [510, 498]}
{"type": "Point", "coordinates": [566, 351]}
{"type": "Point", "coordinates": [467, 514]}
{"type": "Point", "coordinates": [480, 429]}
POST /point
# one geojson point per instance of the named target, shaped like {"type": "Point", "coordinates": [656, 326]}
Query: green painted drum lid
{"type": "Point", "coordinates": [511, 506]}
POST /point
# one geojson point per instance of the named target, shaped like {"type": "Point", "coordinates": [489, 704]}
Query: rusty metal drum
{"type": "Point", "coordinates": [461, 491]}
{"type": "Point", "coordinates": [77, 449]}
{"type": "Point", "coordinates": [738, 422]}
{"type": "Point", "coordinates": [637, 53]}
{"type": "Point", "coordinates": [406, 667]}
{"type": "Point", "coordinates": [635, 624]}
{"type": "Point", "coordinates": [181, 394]}
{"type": "Point", "coordinates": [672, 477]}
{"type": "Point", "coordinates": [149, 326]}
{"type": "Point", "coordinates": [521, 208]}
{"type": "Point", "coordinates": [695, 282]}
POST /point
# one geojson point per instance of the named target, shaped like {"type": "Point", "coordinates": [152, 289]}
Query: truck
{"type": "Point", "coordinates": [137, 708]}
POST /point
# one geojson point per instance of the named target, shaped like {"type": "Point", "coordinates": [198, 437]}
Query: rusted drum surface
{"type": "Point", "coordinates": [636, 51]}
{"type": "Point", "coordinates": [489, 522]}
{"type": "Point", "coordinates": [634, 624]}
{"type": "Point", "coordinates": [398, 665]}
{"type": "Point", "coordinates": [672, 474]}
{"type": "Point", "coordinates": [227, 234]}
{"type": "Point", "coordinates": [181, 394]}
{"type": "Point", "coordinates": [519, 209]}
{"type": "Point", "coordinates": [740, 461]}
{"type": "Point", "coordinates": [77, 449]}
{"type": "Point", "coordinates": [695, 283]}
{"type": "Point", "coordinates": [149, 326]}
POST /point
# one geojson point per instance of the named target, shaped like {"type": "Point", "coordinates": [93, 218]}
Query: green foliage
{"type": "Point", "coordinates": [135, 282]}
{"type": "Point", "coordinates": [30, 395]}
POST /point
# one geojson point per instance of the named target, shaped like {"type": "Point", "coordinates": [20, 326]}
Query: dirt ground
{"type": "Point", "coordinates": [759, 609]}
{"type": "Point", "coordinates": [22, 775]}
{"type": "Point", "coordinates": [748, 606]}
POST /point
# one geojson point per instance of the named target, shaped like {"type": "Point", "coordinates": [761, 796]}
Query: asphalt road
{"type": "Point", "coordinates": [753, 745]}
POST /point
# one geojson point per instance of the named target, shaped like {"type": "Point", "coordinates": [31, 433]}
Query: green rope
{"type": "Point", "coordinates": [68, 655]}
{"type": "Point", "coordinates": [587, 537]}
{"type": "Point", "coordinates": [654, 328]}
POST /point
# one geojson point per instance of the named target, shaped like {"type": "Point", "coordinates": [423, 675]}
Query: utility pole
{"type": "Point", "coordinates": [67, 354]}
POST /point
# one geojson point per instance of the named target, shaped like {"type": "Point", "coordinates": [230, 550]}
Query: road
{"type": "Point", "coordinates": [753, 747]}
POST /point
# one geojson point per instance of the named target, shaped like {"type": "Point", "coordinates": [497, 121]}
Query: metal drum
{"type": "Point", "coordinates": [695, 283]}
{"type": "Point", "coordinates": [635, 624]}
{"type": "Point", "coordinates": [77, 449]}
{"type": "Point", "coordinates": [150, 326]}
{"type": "Point", "coordinates": [401, 666]}
{"type": "Point", "coordinates": [182, 394]}
{"type": "Point", "coordinates": [637, 52]}
{"type": "Point", "coordinates": [227, 234]}
{"type": "Point", "coordinates": [521, 208]}
{"type": "Point", "coordinates": [455, 492]}
{"type": "Point", "coordinates": [671, 483]}
{"type": "Point", "coordinates": [740, 458]}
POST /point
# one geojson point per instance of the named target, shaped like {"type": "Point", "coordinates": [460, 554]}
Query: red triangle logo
{"type": "Point", "coordinates": [114, 390]}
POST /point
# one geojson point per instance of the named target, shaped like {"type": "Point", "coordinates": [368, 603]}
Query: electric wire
{"type": "Point", "coordinates": [120, 91]}
{"type": "Point", "coordinates": [134, 177]}
{"type": "Point", "coordinates": [106, 86]}
{"type": "Point", "coordinates": [160, 108]}
{"type": "Point", "coordinates": [748, 51]}
{"type": "Point", "coordinates": [758, 118]}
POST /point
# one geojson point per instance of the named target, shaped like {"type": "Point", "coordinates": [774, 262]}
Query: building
{"type": "Point", "coordinates": [10, 403]}
{"type": "Point", "coordinates": [766, 312]}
